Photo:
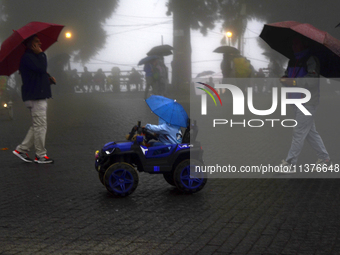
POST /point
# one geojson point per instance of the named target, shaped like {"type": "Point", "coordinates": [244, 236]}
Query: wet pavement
{"type": "Point", "coordinates": [64, 209]}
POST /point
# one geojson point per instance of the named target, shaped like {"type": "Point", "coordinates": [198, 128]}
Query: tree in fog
{"type": "Point", "coordinates": [83, 18]}
{"type": "Point", "coordinates": [193, 14]}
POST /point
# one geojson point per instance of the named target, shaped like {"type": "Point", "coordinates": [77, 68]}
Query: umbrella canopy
{"type": "Point", "coordinates": [227, 50]}
{"type": "Point", "coordinates": [321, 44]}
{"type": "Point", "coordinates": [161, 50]}
{"type": "Point", "coordinates": [168, 110]}
{"type": "Point", "coordinates": [13, 48]}
{"type": "Point", "coordinates": [204, 73]}
{"type": "Point", "coordinates": [146, 60]}
{"type": "Point", "coordinates": [269, 54]}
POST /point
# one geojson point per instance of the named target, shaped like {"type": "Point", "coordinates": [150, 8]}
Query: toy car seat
{"type": "Point", "coordinates": [190, 132]}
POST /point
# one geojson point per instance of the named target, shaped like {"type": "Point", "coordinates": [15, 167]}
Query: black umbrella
{"type": "Point", "coordinates": [204, 73]}
{"type": "Point", "coordinates": [321, 44]}
{"type": "Point", "coordinates": [161, 50]}
{"type": "Point", "coordinates": [227, 50]}
{"type": "Point", "coordinates": [146, 60]}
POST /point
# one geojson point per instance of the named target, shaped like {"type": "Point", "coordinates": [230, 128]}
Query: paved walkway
{"type": "Point", "coordinates": [64, 209]}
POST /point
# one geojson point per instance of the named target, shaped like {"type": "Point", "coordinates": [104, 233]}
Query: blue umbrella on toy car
{"type": "Point", "coordinates": [168, 110]}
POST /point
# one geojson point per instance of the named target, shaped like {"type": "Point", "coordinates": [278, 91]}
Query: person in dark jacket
{"type": "Point", "coordinates": [36, 89]}
{"type": "Point", "coordinates": [149, 69]}
{"type": "Point", "coordinates": [304, 71]}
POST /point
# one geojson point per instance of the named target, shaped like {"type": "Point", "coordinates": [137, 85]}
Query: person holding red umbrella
{"type": "Point", "coordinates": [24, 50]}
{"type": "Point", "coordinates": [36, 89]}
{"type": "Point", "coordinates": [304, 65]}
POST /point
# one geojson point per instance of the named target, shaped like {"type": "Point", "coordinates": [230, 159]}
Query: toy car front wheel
{"type": "Point", "coordinates": [186, 183]}
{"type": "Point", "coordinates": [121, 179]}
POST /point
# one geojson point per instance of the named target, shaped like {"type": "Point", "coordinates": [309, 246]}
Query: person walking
{"type": "Point", "coordinates": [150, 76]}
{"type": "Point", "coordinates": [304, 66]}
{"type": "Point", "coordinates": [36, 89]}
{"type": "Point", "coordinates": [163, 76]}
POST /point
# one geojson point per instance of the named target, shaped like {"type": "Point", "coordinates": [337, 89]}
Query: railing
{"type": "Point", "coordinates": [124, 83]}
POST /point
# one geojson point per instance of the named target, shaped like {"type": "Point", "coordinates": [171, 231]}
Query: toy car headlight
{"type": "Point", "coordinates": [108, 152]}
{"type": "Point", "coordinates": [5, 105]}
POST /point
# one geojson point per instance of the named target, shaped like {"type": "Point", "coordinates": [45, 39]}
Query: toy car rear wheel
{"type": "Point", "coordinates": [121, 179]}
{"type": "Point", "coordinates": [169, 177]}
{"type": "Point", "coordinates": [186, 183]}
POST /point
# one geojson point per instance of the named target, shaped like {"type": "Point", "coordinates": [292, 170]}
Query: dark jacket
{"type": "Point", "coordinates": [35, 79]}
{"type": "Point", "coordinates": [306, 69]}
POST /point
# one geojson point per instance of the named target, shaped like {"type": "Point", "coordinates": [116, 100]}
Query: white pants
{"type": "Point", "coordinates": [36, 135]}
{"type": "Point", "coordinates": [305, 130]}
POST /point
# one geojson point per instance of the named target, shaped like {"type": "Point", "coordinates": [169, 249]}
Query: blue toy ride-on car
{"type": "Point", "coordinates": [118, 163]}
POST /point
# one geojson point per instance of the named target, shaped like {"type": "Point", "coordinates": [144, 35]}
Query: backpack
{"type": "Point", "coordinates": [242, 67]}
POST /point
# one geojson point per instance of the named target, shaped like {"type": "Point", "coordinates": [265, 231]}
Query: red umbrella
{"type": "Point", "coordinates": [327, 48]}
{"type": "Point", "coordinates": [13, 48]}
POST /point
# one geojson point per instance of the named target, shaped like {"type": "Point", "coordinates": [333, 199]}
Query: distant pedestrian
{"type": "Point", "coordinates": [304, 65]}
{"type": "Point", "coordinates": [113, 80]}
{"type": "Point", "coordinates": [260, 83]}
{"type": "Point", "coordinates": [99, 79]}
{"type": "Point", "coordinates": [212, 84]}
{"type": "Point", "coordinates": [36, 89]}
{"type": "Point", "coordinates": [227, 66]}
{"type": "Point", "coordinates": [86, 80]}
{"type": "Point", "coordinates": [151, 76]}
{"type": "Point", "coordinates": [243, 72]}
{"type": "Point", "coordinates": [228, 70]}
{"type": "Point", "coordinates": [74, 79]}
{"type": "Point", "coordinates": [135, 79]}
{"type": "Point", "coordinates": [163, 77]}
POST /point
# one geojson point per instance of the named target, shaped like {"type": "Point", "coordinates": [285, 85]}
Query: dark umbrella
{"type": "Point", "coordinates": [161, 50]}
{"type": "Point", "coordinates": [227, 50]}
{"type": "Point", "coordinates": [13, 48]}
{"type": "Point", "coordinates": [321, 44]}
{"type": "Point", "coordinates": [204, 73]}
{"type": "Point", "coordinates": [147, 59]}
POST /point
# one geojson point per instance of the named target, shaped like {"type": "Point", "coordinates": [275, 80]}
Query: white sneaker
{"type": "Point", "coordinates": [321, 163]}
{"type": "Point", "coordinates": [286, 168]}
